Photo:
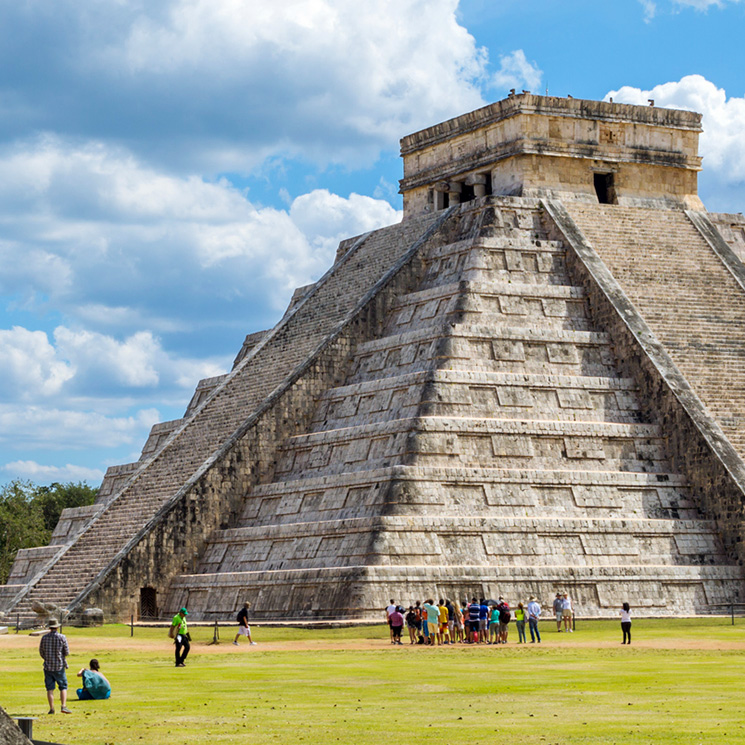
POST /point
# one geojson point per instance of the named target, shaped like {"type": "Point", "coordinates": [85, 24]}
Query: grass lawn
{"type": "Point", "coordinates": [680, 682]}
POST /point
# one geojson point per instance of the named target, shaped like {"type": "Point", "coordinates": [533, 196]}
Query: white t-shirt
{"type": "Point", "coordinates": [390, 609]}
{"type": "Point", "coordinates": [625, 616]}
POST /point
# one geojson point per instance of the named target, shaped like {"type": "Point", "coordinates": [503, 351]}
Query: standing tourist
{"type": "Point", "coordinates": [412, 624]}
{"type": "Point", "coordinates": [626, 623]}
{"type": "Point", "coordinates": [474, 610]}
{"type": "Point", "coordinates": [558, 606]}
{"type": "Point", "coordinates": [534, 613]}
{"type": "Point", "coordinates": [433, 613]}
{"type": "Point", "coordinates": [179, 632]}
{"type": "Point", "coordinates": [95, 685]}
{"type": "Point", "coordinates": [390, 609]}
{"type": "Point", "coordinates": [397, 624]}
{"type": "Point", "coordinates": [494, 625]}
{"type": "Point", "coordinates": [505, 615]}
{"type": "Point", "coordinates": [567, 613]}
{"type": "Point", "coordinates": [243, 628]}
{"type": "Point", "coordinates": [520, 618]}
{"type": "Point", "coordinates": [443, 620]}
{"type": "Point", "coordinates": [53, 649]}
{"type": "Point", "coordinates": [483, 622]}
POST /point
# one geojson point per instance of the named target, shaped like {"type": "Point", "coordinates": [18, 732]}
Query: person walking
{"type": "Point", "coordinates": [95, 685]}
{"type": "Point", "coordinates": [626, 623]}
{"type": "Point", "coordinates": [243, 628]}
{"type": "Point", "coordinates": [179, 632]}
{"type": "Point", "coordinates": [54, 650]}
{"type": "Point", "coordinates": [534, 613]}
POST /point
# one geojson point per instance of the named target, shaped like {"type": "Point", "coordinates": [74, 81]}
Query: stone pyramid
{"type": "Point", "coordinates": [524, 387]}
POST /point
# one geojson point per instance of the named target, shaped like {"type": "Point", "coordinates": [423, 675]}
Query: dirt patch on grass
{"type": "Point", "coordinates": [78, 645]}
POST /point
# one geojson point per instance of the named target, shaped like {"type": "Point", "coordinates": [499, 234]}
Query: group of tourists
{"type": "Point", "coordinates": [481, 621]}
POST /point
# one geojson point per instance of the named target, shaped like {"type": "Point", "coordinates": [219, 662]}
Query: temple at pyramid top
{"type": "Point", "coordinates": [544, 146]}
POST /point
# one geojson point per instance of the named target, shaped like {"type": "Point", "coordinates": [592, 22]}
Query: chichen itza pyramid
{"type": "Point", "coordinates": [536, 381]}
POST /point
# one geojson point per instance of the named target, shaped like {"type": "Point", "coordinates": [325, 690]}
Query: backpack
{"type": "Point", "coordinates": [238, 617]}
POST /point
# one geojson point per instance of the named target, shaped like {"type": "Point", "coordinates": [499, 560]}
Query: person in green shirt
{"type": "Point", "coordinates": [181, 638]}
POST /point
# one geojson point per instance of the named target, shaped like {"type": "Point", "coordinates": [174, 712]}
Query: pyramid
{"type": "Point", "coordinates": [524, 387]}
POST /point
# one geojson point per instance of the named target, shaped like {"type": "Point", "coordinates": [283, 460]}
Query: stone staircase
{"type": "Point", "coordinates": [484, 443]}
{"type": "Point", "coordinates": [179, 452]}
{"type": "Point", "coordinates": [684, 292]}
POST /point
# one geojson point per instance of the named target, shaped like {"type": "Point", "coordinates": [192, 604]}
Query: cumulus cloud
{"type": "Point", "coordinates": [116, 244]}
{"type": "Point", "coordinates": [219, 85]}
{"type": "Point", "coordinates": [722, 142]}
{"type": "Point", "coordinates": [515, 71]}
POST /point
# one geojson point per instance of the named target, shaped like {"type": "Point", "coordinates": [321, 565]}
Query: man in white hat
{"type": "Point", "coordinates": [54, 650]}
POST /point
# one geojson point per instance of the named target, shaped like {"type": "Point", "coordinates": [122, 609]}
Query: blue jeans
{"type": "Point", "coordinates": [533, 625]}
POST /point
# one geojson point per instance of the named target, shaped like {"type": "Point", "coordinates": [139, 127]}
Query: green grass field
{"type": "Point", "coordinates": [681, 682]}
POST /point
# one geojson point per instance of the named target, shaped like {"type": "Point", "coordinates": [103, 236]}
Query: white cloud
{"type": "Point", "coordinates": [516, 72]}
{"type": "Point", "coordinates": [29, 365]}
{"type": "Point", "coordinates": [722, 142]}
{"type": "Point", "coordinates": [220, 85]}
{"type": "Point", "coordinates": [650, 9]}
{"type": "Point", "coordinates": [29, 469]}
{"type": "Point", "coordinates": [31, 427]}
{"type": "Point", "coordinates": [111, 241]}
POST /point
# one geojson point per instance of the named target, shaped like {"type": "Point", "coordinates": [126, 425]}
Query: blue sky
{"type": "Point", "coordinates": [170, 171]}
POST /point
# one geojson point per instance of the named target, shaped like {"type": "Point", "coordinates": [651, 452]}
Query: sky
{"type": "Point", "coordinates": [171, 171]}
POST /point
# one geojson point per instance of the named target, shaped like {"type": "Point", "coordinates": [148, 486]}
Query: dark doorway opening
{"type": "Point", "coordinates": [467, 193]}
{"type": "Point", "coordinates": [605, 188]}
{"type": "Point", "coordinates": [148, 603]}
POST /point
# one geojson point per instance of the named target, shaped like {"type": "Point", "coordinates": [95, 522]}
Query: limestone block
{"type": "Point", "coordinates": [584, 448]}
{"type": "Point", "coordinates": [514, 396]}
{"type": "Point", "coordinates": [509, 445]}
{"type": "Point", "coordinates": [508, 349]}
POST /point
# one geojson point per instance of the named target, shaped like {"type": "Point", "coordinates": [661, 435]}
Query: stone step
{"type": "Point", "coordinates": [441, 441]}
{"type": "Point", "coordinates": [477, 539]}
{"type": "Point", "coordinates": [417, 489]}
{"type": "Point", "coordinates": [468, 394]}
{"type": "Point", "coordinates": [658, 590]}
{"type": "Point", "coordinates": [499, 348]}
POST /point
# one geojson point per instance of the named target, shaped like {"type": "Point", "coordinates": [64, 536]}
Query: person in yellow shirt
{"type": "Point", "coordinates": [443, 636]}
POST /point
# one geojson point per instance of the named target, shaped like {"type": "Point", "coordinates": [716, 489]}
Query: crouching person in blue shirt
{"type": "Point", "coordinates": [95, 684]}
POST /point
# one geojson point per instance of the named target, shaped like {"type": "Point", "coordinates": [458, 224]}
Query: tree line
{"type": "Point", "coordinates": [29, 513]}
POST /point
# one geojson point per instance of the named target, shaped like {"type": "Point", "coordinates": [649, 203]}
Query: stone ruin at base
{"type": "Point", "coordinates": [535, 382]}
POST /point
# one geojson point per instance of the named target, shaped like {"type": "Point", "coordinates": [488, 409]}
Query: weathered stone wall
{"type": "Point", "coordinates": [696, 444]}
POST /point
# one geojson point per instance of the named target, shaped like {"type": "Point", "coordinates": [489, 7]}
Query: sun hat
{"type": "Point", "coordinates": [53, 623]}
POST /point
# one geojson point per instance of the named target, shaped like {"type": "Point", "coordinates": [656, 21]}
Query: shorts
{"type": "Point", "coordinates": [55, 676]}
{"type": "Point", "coordinates": [559, 615]}
{"type": "Point", "coordinates": [482, 624]}
{"type": "Point", "coordinates": [443, 628]}
{"type": "Point", "coordinates": [566, 613]}
{"type": "Point", "coordinates": [474, 625]}
{"type": "Point", "coordinates": [244, 630]}
{"type": "Point", "coordinates": [458, 623]}
{"type": "Point", "coordinates": [503, 627]}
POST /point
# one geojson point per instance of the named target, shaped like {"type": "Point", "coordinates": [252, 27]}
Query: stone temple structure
{"type": "Point", "coordinates": [534, 382]}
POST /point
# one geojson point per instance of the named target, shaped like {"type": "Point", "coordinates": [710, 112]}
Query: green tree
{"type": "Point", "coordinates": [29, 514]}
